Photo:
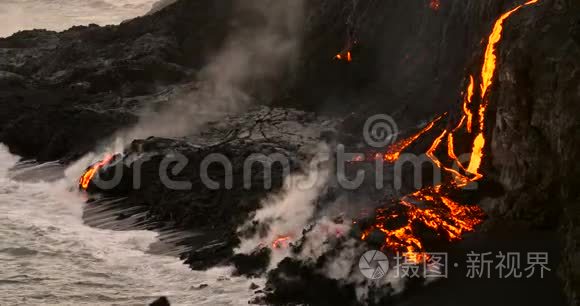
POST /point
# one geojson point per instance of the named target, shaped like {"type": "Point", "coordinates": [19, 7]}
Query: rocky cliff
{"type": "Point", "coordinates": [535, 139]}
{"type": "Point", "coordinates": [62, 93]}
{"type": "Point", "coordinates": [95, 78]}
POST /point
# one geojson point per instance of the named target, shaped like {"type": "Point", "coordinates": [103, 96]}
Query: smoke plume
{"type": "Point", "coordinates": [286, 214]}
{"type": "Point", "coordinates": [261, 46]}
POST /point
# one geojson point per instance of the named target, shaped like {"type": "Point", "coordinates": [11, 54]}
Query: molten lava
{"type": "Point", "coordinates": [403, 223]}
{"type": "Point", "coordinates": [441, 215]}
{"type": "Point", "coordinates": [467, 103]}
{"type": "Point", "coordinates": [487, 74]}
{"type": "Point", "coordinates": [346, 53]}
{"type": "Point", "coordinates": [395, 150]}
{"type": "Point", "coordinates": [281, 242]}
{"type": "Point", "coordinates": [87, 177]}
{"type": "Point", "coordinates": [347, 56]}
{"type": "Point", "coordinates": [490, 59]}
{"type": "Point", "coordinates": [435, 4]}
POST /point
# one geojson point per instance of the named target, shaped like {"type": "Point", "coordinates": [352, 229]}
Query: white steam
{"type": "Point", "coordinates": [294, 213]}
{"type": "Point", "coordinates": [287, 214]}
{"type": "Point", "coordinates": [255, 55]}
{"type": "Point", "coordinates": [159, 5]}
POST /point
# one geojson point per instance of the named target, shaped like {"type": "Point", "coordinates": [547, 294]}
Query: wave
{"type": "Point", "coordinates": [43, 237]}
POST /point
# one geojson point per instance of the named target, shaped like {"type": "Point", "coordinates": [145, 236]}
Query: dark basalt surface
{"type": "Point", "coordinates": [162, 301]}
{"type": "Point", "coordinates": [535, 138]}
{"type": "Point", "coordinates": [266, 134]}
{"type": "Point", "coordinates": [63, 93]}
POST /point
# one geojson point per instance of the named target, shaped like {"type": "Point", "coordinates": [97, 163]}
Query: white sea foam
{"type": "Point", "coordinates": [48, 256]}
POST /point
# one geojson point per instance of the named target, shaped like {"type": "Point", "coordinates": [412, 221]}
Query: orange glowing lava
{"type": "Point", "coordinates": [395, 150]}
{"type": "Point", "coordinates": [281, 242]}
{"type": "Point", "coordinates": [487, 74]}
{"type": "Point", "coordinates": [347, 56]}
{"type": "Point", "coordinates": [402, 223]}
{"type": "Point", "coordinates": [431, 152]}
{"type": "Point", "coordinates": [490, 59]}
{"type": "Point", "coordinates": [451, 151]}
{"type": "Point", "coordinates": [467, 103]}
{"type": "Point", "coordinates": [435, 4]}
{"type": "Point", "coordinates": [86, 178]}
{"type": "Point", "coordinates": [442, 215]}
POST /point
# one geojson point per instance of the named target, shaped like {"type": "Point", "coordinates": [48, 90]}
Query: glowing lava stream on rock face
{"type": "Point", "coordinates": [395, 150]}
{"type": "Point", "coordinates": [467, 103]}
{"type": "Point", "coordinates": [490, 59]}
{"type": "Point", "coordinates": [87, 177]}
{"type": "Point", "coordinates": [400, 224]}
{"type": "Point", "coordinates": [487, 74]}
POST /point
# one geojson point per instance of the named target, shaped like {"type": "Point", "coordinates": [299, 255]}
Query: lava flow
{"type": "Point", "coordinates": [281, 242]}
{"type": "Point", "coordinates": [435, 4]}
{"type": "Point", "coordinates": [87, 177]}
{"type": "Point", "coordinates": [487, 74]}
{"type": "Point", "coordinates": [403, 224]}
{"type": "Point", "coordinates": [346, 53]}
{"type": "Point", "coordinates": [466, 103]}
{"type": "Point", "coordinates": [347, 56]}
{"type": "Point", "coordinates": [395, 150]}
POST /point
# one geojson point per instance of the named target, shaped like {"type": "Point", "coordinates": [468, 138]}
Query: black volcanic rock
{"type": "Point", "coordinates": [217, 212]}
{"type": "Point", "coordinates": [535, 141]}
{"type": "Point", "coordinates": [254, 264]}
{"type": "Point", "coordinates": [253, 286]}
{"type": "Point", "coordinates": [62, 93]}
{"type": "Point", "coordinates": [162, 301]}
{"type": "Point", "coordinates": [421, 54]}
{"type": "Point", "coordinates": [297, 283]}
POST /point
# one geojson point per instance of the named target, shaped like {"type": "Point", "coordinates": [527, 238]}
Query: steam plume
{"type": "Point", "coordinates": [290, 211]}
{"type": "Point", "coordinates": [256, 52]}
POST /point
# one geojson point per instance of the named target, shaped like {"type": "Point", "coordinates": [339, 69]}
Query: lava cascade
{"type": "Point", "coordinates": [400, 224]}
{"type": "Point", "coordinates": [394, 151]}
{"type": "Point", "coordinates": [440, 213]}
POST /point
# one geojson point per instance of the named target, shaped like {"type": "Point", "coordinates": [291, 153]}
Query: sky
{"type": "Point", "coordinates": [16, 15]}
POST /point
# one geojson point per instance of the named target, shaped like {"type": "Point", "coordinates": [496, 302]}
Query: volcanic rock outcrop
{"type": "Point", "coordinates": [93, 79]}
{"type": "Point", "coordinates": [63, 93]}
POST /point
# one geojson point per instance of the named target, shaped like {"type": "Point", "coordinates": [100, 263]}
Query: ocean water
{"type": "Point", "coordinates": [48, 256]}
{"type": "Point", "coordinates": [58, 15]}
